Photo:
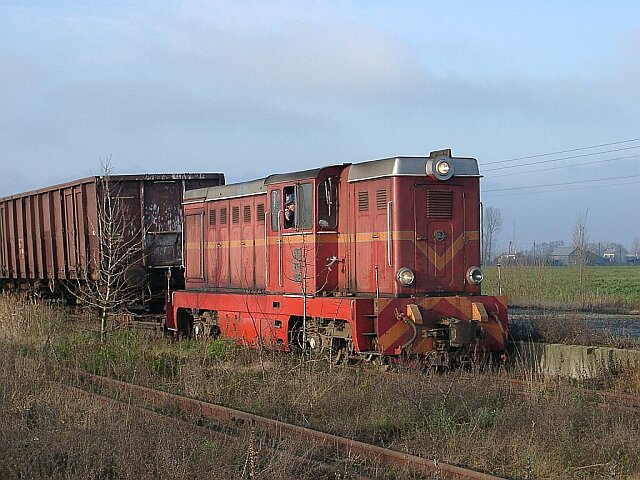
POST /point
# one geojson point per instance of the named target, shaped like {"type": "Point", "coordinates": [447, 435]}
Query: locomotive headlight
{"type": "Point", "coordinates": [440, 168]}
{"type": "Point", "coordinates": [475, 275]}
{"type": "Point", "coordinates": [443, 167]}
{"type": "Point", "coordinates": [405, 276]}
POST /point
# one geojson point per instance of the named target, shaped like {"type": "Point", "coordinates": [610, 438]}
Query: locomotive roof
{"type": "Point", "coordinates": [253, 187]}
{"type": "Point", "coordinates": [384, 167]}
{"type": "Point", "coordinates": [289, 177]}
{"type": "Point", "coordinates": [389, 167]}
{"type": "Point", "coordinates": [244, 189]}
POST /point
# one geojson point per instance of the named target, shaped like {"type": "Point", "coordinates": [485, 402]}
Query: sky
{"type": "Point", "coordinates": [250, 88]}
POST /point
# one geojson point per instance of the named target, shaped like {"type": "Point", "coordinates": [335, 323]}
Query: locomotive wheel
{"type": "Point", "coordinates": [340, 357]}
{"type": "Point", "coordinates": [200, 330]}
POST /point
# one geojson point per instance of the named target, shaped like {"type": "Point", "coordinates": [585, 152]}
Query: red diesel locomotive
{"type": "Point", "coordinates": [380, 258]}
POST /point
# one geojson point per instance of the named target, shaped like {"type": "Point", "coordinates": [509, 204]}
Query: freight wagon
{"type": "Point", "coordinates": [53, 238]}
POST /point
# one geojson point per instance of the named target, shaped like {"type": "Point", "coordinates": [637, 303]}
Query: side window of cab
{"type": "Point", "coordinates": [298, 207]}
{"type": "Point", "coordinates": [275, 210]}
{"type": "Point", "coordinates": [328, 204]}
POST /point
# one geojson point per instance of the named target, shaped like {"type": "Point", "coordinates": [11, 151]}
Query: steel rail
{"type": "Point", "coordinates": [278, 428]}
{"type": "Point", "coordinates": [520, 388]}
{"type": "Point", "coordinates": [601, 398]}
{"type": "Point", "coordinates": [204, 431]}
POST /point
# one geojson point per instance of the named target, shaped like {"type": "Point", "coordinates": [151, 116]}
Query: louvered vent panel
{"type": "Point", "coordinates": [439, 203]}
{"type": "Point", "coordinates": [212, 217]}
{"type": "Point", "coordinates": [381, 199]}
{"type": "Point", "coordinates": [363, 201]}
{"type": "Point", "coordinates": [260, 212]}
{"type": "Point", "coordinates": [223, 216]}
{"type": "Point", "coordinates": [235, 214]}
{"type": "Point", "coordinates": [246, 214]}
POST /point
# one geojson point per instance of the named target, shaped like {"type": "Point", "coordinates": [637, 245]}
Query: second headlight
{"type": "Point", "coordinates": [475, 275]}
{"type": "Point", "coordinates": [405, 276]}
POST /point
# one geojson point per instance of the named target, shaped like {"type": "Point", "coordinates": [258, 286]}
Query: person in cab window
{"type": "Point", "coordinates": [290, 211]}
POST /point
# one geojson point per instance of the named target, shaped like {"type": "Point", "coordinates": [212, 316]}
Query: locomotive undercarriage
{"type": "Point", "coordinates": [455, 342]}
{"type": "Point", "coordinates": [322, 336]}
{"type": "Point", "coordinates": [319, 336]}
{"type": "Point", "coordinates": [204, 325]}
{"type": "Point", "coordinates": [425, 333]}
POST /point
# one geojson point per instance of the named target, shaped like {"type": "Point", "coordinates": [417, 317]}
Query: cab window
{"type": "Point", "coordinates": [298, 206]}
{"type": "Point", "coordinates": [275, 210]}
{"type": "Point", "coordinates": [305, 206]}
{"type": "Point", "coordinates": [328, 204]}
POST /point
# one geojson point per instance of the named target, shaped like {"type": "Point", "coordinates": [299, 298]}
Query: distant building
{"type": "Point", "coordinates": [566, 256]}
{"type": "Point", "coordinates": [631, 259]}
{"type": "Point", "coordinates": [510, 258]}
{"type": "Point", "coordinates": [610, 255]}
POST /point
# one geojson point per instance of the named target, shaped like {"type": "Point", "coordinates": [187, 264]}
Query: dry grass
{"type": "Point", "coordinates": [465, 418]}
{"type": "Point", "coordinates": [569, 329]}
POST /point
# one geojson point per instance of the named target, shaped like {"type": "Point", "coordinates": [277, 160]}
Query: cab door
{"type": "Point", "coordinates": [439, 239]}
{"type": "Point", "coordinates": [292, 247]}
{"type": "Point", "coordinates": [4, 270]}
{"type": "Point", "coordinates": [194, 245]}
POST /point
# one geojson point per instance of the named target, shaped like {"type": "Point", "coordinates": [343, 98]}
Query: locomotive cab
{"type": "Point", "coordinates": [416, 229]}
{"type": "Point", "coordinates": [302, 248]}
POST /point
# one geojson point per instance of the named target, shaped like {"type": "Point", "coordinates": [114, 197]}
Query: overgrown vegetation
{"type": "Point", "coordinates": [572, 328]}
{"type": "Point", "coordinates": [603, 288]}
{"type": "Point", "coordinates": [459, 417]}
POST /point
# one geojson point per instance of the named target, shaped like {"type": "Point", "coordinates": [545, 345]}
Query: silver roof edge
{"type": "Point", "coordinates": [412, 166]}
{"type": "Point", "coordinates": [233, 190]}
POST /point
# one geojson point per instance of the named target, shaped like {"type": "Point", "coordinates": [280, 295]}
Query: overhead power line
{"type": "Point", "coordinates": [562, 190]}
{"type": "Point", "coordinates": [594, 162]}
{"type": "Point", "coordinates": [563, 151]}
{"type": "Point", "coordinates": [559, 159]}
{"type": "Point", "coordinates": [576, 182]}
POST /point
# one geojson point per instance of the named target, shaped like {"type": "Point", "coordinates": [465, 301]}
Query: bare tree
{"type": "Point", "coordinates": [580, 241]}
{"type": "Point", "coordinates": [491, 227]}
{"type": "Point", "coordinates": [635, 247]}
{"type": "Point", "coordinates": [111, 281]}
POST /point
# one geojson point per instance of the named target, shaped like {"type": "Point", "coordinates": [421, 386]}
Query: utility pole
{"type": "Point", "coordinates": [534, 251]}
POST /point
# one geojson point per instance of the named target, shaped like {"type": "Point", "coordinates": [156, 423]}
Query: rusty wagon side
{"type": "Point", "coordinates": [50, 238]}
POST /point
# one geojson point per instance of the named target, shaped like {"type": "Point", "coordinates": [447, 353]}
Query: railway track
{"type": "Point", "coordinates": [525, 388]}
{"type": "Point", "coordinates": [277, 429]}
{"type": "Point", "coordinates": [224, 437]}
{"type": "Point", "coordinates": [602, 398]}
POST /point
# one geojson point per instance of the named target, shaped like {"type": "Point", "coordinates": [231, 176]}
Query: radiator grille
{"type": "Point", "coordinates": [223, 216]}
{"type": "Point", "coordinates": [246, 214]}
{"type": "Point", "coordinates": [260, 212]}
{"type": "Point", "coordinates": [439, 203]}
{"type": "Point", "coordinates": [363, 201]}
{"type": "Point", "coordinates": [212, 217]}
{"type": "Point", "coordinates": [381, 199]}
{"type": "Point", "coordinates": [235, 215]}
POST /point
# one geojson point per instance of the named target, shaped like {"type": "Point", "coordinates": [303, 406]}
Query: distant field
{"type": "Point", "coordinates": [609, 288]}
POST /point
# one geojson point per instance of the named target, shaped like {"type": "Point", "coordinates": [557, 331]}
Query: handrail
{"type": "Point", "coordinates": [389, 233]}
{"type": "Point", "coordinates": [266, 249]}
{"type": "Point", "coordinates": [279, 248]}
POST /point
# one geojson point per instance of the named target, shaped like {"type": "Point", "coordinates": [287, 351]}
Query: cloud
{"type": "Point", "coordinates": [303, 60]}
{"type": "Point", "coordinates": [15, 73]}
{"type": "Point", "coordinates": [252, 87]}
